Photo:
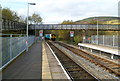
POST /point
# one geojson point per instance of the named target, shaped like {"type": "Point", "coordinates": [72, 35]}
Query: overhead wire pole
{"type": "Point", "coordinates": [97, 32]}
{"type": "Point", "coordinates": [118, 22]}
{"type": "Point", "coordinates": [0, 19]}
{"type": "Point", "coordinates": [27, 23]}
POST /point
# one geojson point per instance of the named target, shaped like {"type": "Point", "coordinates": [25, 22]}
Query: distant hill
{"type": "Point", "coordinates": [101, 20]}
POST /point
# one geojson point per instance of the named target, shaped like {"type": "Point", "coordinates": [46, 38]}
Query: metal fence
{"type": "Point", "coordinates": [13, 47]}
{"type": "Point", "coordinates": [107, 40]}
{"type": "Point", "coordinates": [12, 25]}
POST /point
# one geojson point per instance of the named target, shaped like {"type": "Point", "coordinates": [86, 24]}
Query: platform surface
{"type": "Point", "coordinates": [37, 64]}
{"type": "Point", "coordinates": [50, 67]}
{"type": "Point", "coordinates": [27, 66]}
{"type": "Point", "coordinates": [101, 48]}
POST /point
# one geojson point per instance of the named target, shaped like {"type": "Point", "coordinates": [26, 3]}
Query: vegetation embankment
{"type": "Point", "coordinates": [64, 35]}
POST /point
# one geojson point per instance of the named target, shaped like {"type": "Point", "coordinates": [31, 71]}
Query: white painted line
{"type": "Point", "coordinates": [59, 62]}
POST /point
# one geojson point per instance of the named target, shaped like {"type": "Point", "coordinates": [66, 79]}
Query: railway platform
{"type": "Point", "coordinates": [51, 68]}
{"type": "Point", "coordinates": [39, 63]}
{"type": "Point", "coordinates": [113, 53]}
{"type": "Point", "coordinates": [26, 67]}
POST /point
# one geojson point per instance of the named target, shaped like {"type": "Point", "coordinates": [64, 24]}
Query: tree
{"type": "Point", "coordinates": [36, 18]}
{"type": "Point", "coordinates": [7, 14]}
{"type": "Point", "coordinates": [78, 39]}
{"type": "Point", "coordinates": [15, 16]}
{"type": "Point", "coordinates": [30, 19]}
{"type": "Point", "coordinates": [68, 22]}
{"type": "Point", "coordinates": [22, 19]}
{"type": "Point", "coordinates": [10, 15]}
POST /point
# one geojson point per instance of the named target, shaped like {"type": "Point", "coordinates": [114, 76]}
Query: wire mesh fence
{"type": "Point", "coordinates": [106, 40]}
{"type": "Point", "coordinates": [12, 47]}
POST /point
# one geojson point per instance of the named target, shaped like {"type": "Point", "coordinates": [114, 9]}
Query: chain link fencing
{"type": "Point", "coordinates": [106, 40]}
{"type": "Point", "coordinates": [12, 47]}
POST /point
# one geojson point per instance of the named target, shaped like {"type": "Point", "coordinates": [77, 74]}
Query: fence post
{"type": "Point", "coordinates": [103, 39]}
{"type": "Point", "coordinates": [113, 40]}
{"type": "Point", "coordinates": [10, 46]}
{"type": "Point", "coordinates": [26, 44]}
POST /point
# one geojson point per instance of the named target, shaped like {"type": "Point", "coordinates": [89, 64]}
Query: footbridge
{"type": "Point", "coordinates": [74, 27]}
{"type": "Point", "coordinates": [14, 26]}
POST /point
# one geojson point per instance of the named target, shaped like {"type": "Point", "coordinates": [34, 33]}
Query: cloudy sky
{"type": "Point", "coordinates": [56, 11]}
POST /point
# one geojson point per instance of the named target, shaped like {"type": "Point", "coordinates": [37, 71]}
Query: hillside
{"type": "Point", "coordinates": [101, 20]}
{"type": "Point", "coordinates": [112, 22]}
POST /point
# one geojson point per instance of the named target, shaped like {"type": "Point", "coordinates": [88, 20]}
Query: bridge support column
{"type": "Point", "coordinates": [91, 50]}
{"type": "Point", "coordinates": [112, 56]}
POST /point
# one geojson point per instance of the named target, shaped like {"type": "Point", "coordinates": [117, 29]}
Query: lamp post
{"type": "Point", "coordinates": [28, 15]}
{"type": "Point", "coordinates": [27, 24]}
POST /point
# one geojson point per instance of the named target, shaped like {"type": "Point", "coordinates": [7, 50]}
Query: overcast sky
{"type": "Point", "coordinates": [56, 11]}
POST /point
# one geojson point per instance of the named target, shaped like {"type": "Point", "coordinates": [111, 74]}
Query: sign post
{"type": "Point", "coordinates": [41, 33]}
{"type": "Point", "coordinates": [71, 35]}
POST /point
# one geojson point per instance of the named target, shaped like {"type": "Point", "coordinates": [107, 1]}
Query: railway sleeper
{"type": "Point", "coordinates": [70, 65]}
{"type": "Point", "coordinates": [115, 67]}
{"type": "Point", "coordinates": [74, 69]}
{"type": "Point", "coordinates": [77, 71]}
{"type": "Point", "coordinates": [81, 76]}
{"type": "Point", "coordinates": [102, 64]}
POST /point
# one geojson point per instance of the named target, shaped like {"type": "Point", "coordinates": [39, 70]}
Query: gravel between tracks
{"type": "Point", "coordinates": [92, 68]}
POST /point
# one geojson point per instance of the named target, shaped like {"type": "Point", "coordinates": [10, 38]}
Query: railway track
{"type": "Point", "coordinates": [74, 70]}
{"type": "Point", "coordinates": [106, 64]}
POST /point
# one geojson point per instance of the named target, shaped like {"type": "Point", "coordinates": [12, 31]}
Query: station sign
{"type": "Point", "coordinates": [71, 33]}
{"type": "Point", "coordinates": [41, 33]}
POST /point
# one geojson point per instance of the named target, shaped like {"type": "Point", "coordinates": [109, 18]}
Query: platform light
{"type": "Point", "coordinates": [27, 24]}
{"type": "Point", "coordinates": [28, 15]}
